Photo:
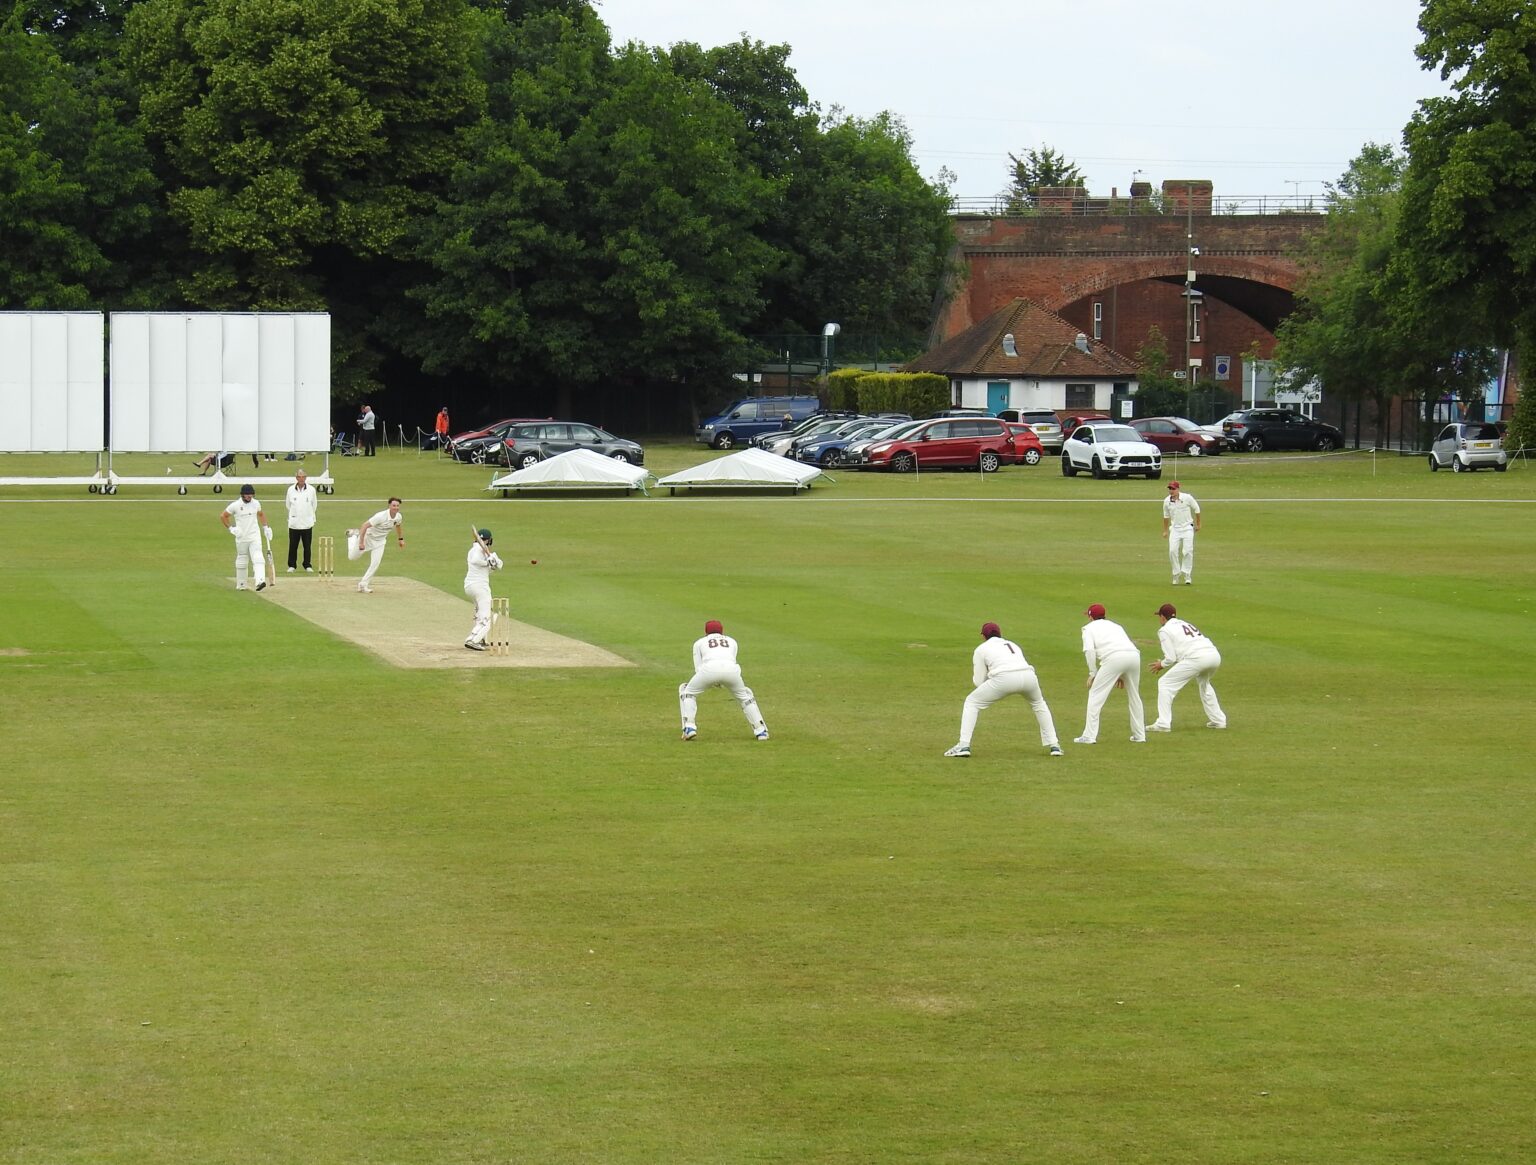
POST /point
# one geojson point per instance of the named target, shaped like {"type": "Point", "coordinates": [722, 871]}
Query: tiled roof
{"type": "Point", "coordinates": [1046, 345]}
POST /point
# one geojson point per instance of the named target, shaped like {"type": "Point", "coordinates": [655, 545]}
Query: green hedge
{"type": "Point", "coordinates": [843, 388]}
{"type": "Point", "coordinates": [916, 393]}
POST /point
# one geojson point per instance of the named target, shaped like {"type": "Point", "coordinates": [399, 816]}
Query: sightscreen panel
{"type": "Point", "coordinates": [241, 382]}
{"type": "Point", "coordinates": [52, 387]}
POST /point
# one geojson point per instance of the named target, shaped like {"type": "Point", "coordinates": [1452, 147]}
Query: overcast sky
{"type": "Point", "coordinates": [1263, 97]}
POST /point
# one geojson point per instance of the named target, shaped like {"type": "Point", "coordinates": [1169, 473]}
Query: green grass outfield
{"type": "Point", "coordinates": [267, 899]}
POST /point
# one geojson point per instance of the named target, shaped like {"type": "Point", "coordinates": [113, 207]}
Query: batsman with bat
{"type": "Point", "coordinates": [477, 585]}
{"type": "Point", "coordinates": [245, 519]}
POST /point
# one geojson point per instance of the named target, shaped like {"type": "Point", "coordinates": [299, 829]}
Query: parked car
{"type": "Point", "coordinates": [1045, 423]}
{"type": "Point", "coordinates": [1178, 435]}
{"type": "Point", "coordinates": [1259, 429]}
{"type": "Point", "coordinates": [744, 419]}
{"type": "Point", "coordinates": [958, 411]}
{"type": "Point", "coordinates": [1467, 446]}
{"type": "Point", "coordinates": [1072, 420]}
{"type": "Point", "coordinates": [1027, 449]}
{"type": "Point", "coordinates": [1108, 449]}
{"type": "Point", "coordinates": [826, 448]}
{"type": "Point", "coordinates": [854, 451]}
{"type": "Point", "coordinates": [783, 443]}
{"type": "Point", "coordinates": [478, 446]}
{"type": "Point", "coordinates": [983, 443]}
{"type": "Point", "coordinates": [800, 426]}
{"type": "Point", "coordinates": [1215, 428]}
{"type": "Point", "coordinates": [529, 444]}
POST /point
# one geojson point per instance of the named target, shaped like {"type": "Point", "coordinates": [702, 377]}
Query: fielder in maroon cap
{"type": "Point", "coordinates": [998, 669]}
{"type": "Point", "coordinates": [715, 666]}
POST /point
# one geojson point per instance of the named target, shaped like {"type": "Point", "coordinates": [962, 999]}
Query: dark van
{"type": "Point", "coordinates": [746, 418]}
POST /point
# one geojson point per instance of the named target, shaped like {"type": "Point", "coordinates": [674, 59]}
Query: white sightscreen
{"type": "Point", "coordinates": [242, 381]}
{"type": "Point", "coordinates": [51, 382]}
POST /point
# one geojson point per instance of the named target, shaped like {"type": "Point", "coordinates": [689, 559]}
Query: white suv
{"type": "Point", "coordinates": [1109, 449]}
{"type": "Point", "coordinates": [1466, 446]}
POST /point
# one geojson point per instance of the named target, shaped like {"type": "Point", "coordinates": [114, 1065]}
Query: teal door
{"type": "Point", "coordinates": [997, 396]}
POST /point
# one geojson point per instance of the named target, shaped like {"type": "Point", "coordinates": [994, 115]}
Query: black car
{"type": "Point", "coordinates": [525, 445]}
{"type": "Point", "coordinates": [1257, 429]}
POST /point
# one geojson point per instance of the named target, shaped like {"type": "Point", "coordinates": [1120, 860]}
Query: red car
{"type": "Point", "coordinates": [1071, 422]}
{"type": "Point", "coordinates": [982, 443]}
{"type": "Point", "coordinates": [1178, 435]}
{"type": "Point", "coordinates": [1027, 449]}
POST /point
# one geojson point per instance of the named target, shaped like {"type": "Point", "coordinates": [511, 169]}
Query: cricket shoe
{"type": "Point", "coordinates": [1138, 740]}
{"type": "Point", "coordinates": [261, 586]}
{"type": "Point", "coordinates": [362, 590]}
{"type": "Point", "coordinates": [1056, 750]}
{"type": "Point", "coordinates": [1158, 728]}
{"type": "Point", "coordinates": [1212, 724]}
{"type": "Point", "coordinates": [1083, 740]}
{"type": "Point", "coordinates": [762, 734]}
{"type": "Point", "coordinates": [240, 586]}
{"type": "Point", "coordinates": [689, 733]}
{"type": "Point", "coordinates": [474, 645]}
{"type": "Point", "coordinates": [958, 750]}
{"type": "Point", "coordinates": [290, 570]}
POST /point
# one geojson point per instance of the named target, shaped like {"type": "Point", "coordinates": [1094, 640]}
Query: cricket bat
{"type": "Point", "coordinates": [271, 565]}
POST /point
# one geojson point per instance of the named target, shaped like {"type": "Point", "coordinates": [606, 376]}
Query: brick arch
{"type": "Point", "coordinates": [1269, 270]}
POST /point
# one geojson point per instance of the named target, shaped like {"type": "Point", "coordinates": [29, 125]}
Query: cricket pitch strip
{"type": "Point", "coordinates": [410, 624]}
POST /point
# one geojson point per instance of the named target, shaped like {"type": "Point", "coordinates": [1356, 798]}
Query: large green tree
{"type": "Point", "coordinates": [1362, 326]}
{"type": "Point", "coordinates": [1468, 225]}
{"type": "Point", "coordinates": [301, 140]}
{"type": "Point", "coordinates": [76, 185]}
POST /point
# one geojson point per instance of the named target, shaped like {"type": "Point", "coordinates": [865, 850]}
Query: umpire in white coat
{"type": "Point", "coordinates": [303, 502]}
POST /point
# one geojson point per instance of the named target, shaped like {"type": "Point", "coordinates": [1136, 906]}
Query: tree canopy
{"type": "Point", "coordinates": [485, 190]}
{"type": "Point", "coordinates": [1038, 169]}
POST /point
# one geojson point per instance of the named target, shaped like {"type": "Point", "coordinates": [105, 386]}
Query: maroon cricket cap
{"type": "Point", "coordinates": [713, 627]}
{"type": "Point", "coordinates": [1095, 611]}
{"type": "Point", "coordinates": [1174, 485]}
{"type": "Point", "coordinates": [1167, 610]}
{"type": "Point", "coordinates": [988, 630]}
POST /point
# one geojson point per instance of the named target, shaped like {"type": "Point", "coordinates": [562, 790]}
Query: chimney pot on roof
{"type": "Point", "coordinates": [1009, 348]}
{"type": "Point", "coordinates": [1082, 342]}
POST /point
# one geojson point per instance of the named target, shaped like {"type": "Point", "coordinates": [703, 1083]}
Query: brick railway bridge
{"type": "Point", "coordinates": [1114, 268]}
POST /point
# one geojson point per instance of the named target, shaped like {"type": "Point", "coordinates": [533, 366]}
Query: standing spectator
{"type": "Point", "coordinates": [365, 431]}
{"type": "Point", "coordinates": [998, 669]}
{"type": "Point", "coordinates": [440, 428]}
{"type": "Point", "coordinates": [244, 519]}
{"type": "Point", "coordinates": [1187, 655]}
{"type": "Point", "coordinates": [1181, 522]}
{"type": "Point", "coordinates": [715, 666]}
{"type": "Point", "coordinates": [373, 537]}
{"type": "Point", "coordinates": [303, 504]}
{"type": "Point", "coordinates": [477, 585]}
{"type": "Point", "coordinates": [1113, 662]}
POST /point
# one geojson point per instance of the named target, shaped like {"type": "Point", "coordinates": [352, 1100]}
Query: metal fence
{"type": "Point", "coordinates": [1000, 206]}
{"type": "Point", "coordinates": [1408, 424]}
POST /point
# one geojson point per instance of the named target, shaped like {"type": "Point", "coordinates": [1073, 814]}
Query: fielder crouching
{"type": "Point", "coordinates": [715, 666]}
{"type": "Point", "coordinates": [998, 669]}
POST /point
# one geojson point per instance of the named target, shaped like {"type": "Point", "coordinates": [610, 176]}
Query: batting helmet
{"type": "Point", "coordinates": [485, 535]}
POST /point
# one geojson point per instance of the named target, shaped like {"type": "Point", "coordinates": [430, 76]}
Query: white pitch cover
{"type": "Point", "coordinates": [238, 381]}
{"type": "Point", "coordinates": [51, 384]}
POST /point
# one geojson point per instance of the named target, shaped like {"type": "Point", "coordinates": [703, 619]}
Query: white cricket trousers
{"type": "Point", "coordinates": [249, 555]}
{"type": "Point", "coordinates": [356, 551]}
{"type": "Point", "coordinates": [1199, 666]}
{"type": "Point", "coordinates": [1118, 665]}
{"type": "Point", "coordinates": [718, 675]}
{"type": "Point", "coordinates": [1181, 552]}
{"type": "Point", "coordinates": [480, 596]}
{"type": "Point", "coordinates": [1018, 682]}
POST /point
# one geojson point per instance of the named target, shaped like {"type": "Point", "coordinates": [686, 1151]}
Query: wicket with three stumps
{"type": "Point", "coordinates": [498, 640]}
{"type": "Point", "coordinates": [325, 552]}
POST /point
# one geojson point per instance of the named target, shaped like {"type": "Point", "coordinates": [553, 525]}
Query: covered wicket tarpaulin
{"type": "Point", "coordinates": [575, 469]}
{"type": "Point", "coordinates": [749, 469]}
